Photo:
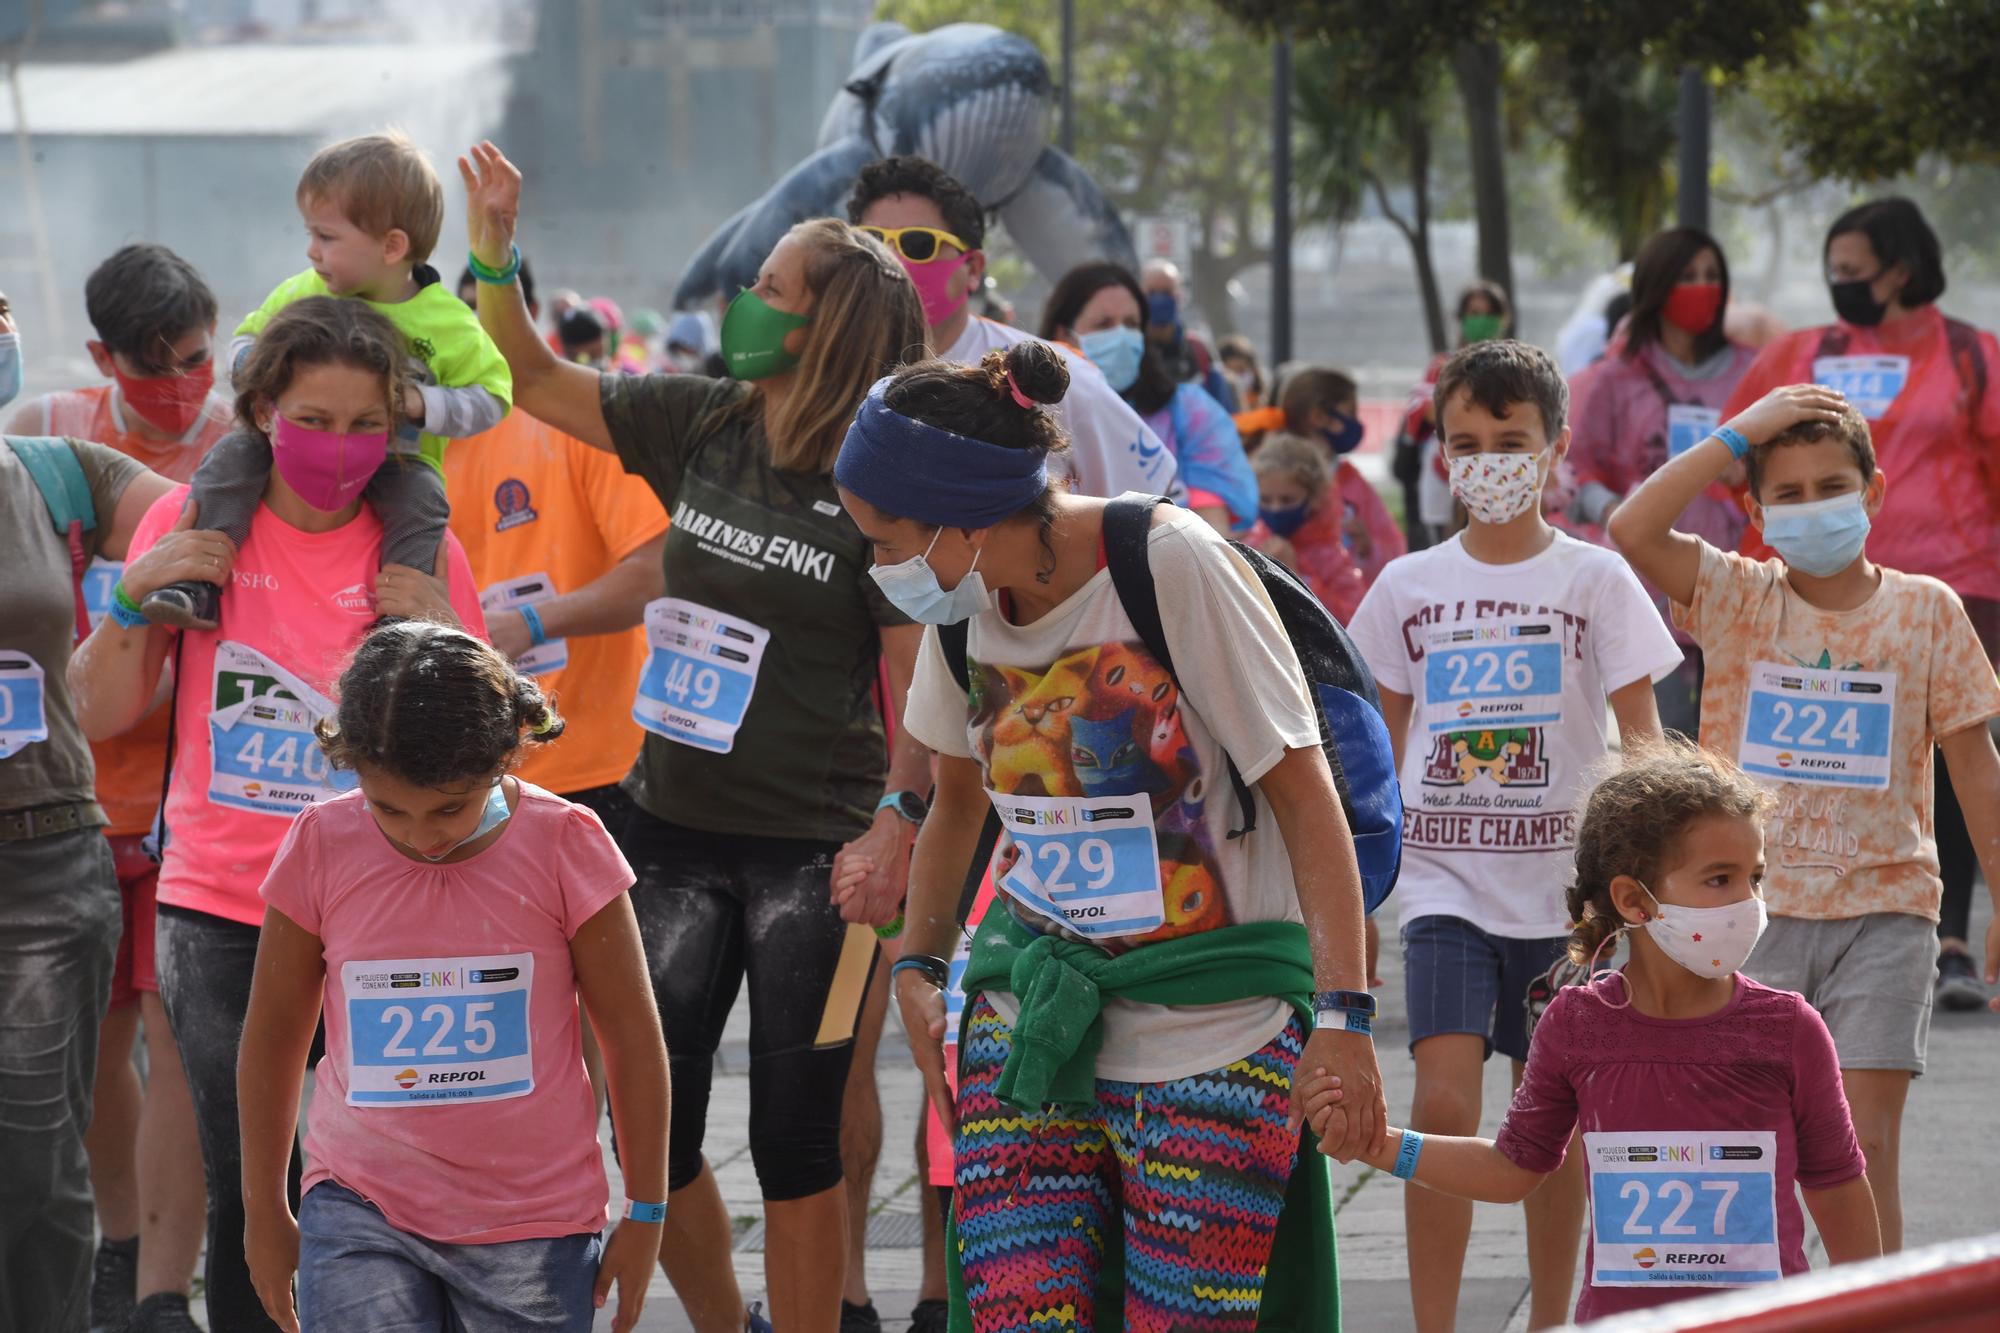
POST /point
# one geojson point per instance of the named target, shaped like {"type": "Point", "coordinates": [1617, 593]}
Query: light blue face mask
{"type": "Point", "coordinates": [492, 817]}
{"type": "Point", "coordinates": [912, 588]}
{"type": "Point", "coordinates": [1820, 538]}
{"type": "Point", "coordinates": [10, 367]}
{"type": "Point", "coordinates": [1116, 352]}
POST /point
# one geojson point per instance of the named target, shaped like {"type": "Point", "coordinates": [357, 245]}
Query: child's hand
{"type": "Point", "coordinates": [413, 405]}
{"type": "Point", "coordinates": [271, 1247]}
{"type": "Point", "coordinates": [1785, 407]}
{"type": "Point", "coordinates": [492, 203]}
{"type": "Point", "coordinates": [402, 591]}
{"type": "Point", "coordinates": [1318, 1101]}
{"type": "Point", "coordinates": [629, 1257]}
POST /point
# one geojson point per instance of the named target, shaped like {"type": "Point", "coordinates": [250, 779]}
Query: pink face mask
{"type": "Point", "coordinates": [933, 287]}
{"type": "Point", "coordinates": [329, 471]}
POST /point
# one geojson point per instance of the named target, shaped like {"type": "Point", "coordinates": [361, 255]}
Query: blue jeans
{"type": "Point", "coordinates": [357, 1271]}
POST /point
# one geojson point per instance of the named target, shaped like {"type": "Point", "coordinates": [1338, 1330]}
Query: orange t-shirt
{"type": "Point", "coordinates": [129, 767]}
{"type": "Point", "coordinates": [541, 514]}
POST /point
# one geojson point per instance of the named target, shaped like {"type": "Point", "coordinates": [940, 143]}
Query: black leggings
{"type": "Point", "coordinates": [205, 966]}
{"type": "Point", "coordinates": [712, 909]}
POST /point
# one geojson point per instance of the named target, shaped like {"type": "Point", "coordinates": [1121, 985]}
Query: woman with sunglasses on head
{"type": "Point", "coordinates": [764, 757]}
{"type": "Point", "coordinates": [1100, 308]}
{"type": "Point", "coordinates": [1658, 392]}
{"type": "Point", "coordinates": [1929, 386]}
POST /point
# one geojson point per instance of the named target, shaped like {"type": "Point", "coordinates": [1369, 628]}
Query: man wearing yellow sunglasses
{"type": "Point", "coordinates": [935, 228]}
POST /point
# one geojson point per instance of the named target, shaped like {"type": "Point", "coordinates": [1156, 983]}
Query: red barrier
{"type": "Point", "coordinates": [1949, 1288]}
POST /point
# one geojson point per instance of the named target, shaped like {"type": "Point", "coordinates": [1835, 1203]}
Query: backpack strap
{"type": "Point", "coordinates": [952, 639]}
{"type": "Point", "coordinates": [66, 492]}
{"type": "Point", "coordinates": [1128, 523]}
{"type": "Point", "coordinates": [1968, 358]}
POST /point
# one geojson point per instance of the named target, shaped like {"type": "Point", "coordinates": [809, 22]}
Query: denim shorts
{"type": "Point", "coordinates": [1458, 978]}
{"type": "Point", "coordinates": [357, 1271]}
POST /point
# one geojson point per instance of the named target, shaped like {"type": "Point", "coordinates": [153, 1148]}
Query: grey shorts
{"type": "Point", "coordinates": [1870, 977]}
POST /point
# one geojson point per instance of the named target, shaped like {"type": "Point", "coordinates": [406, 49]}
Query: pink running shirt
{"type": "Point", "coordinates": [297, 606]}
{"type": "Point", "coordinates": [452, 1095]}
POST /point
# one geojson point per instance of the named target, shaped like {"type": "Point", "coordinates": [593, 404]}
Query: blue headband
{"type": "Point", "coordinates": [913, 470]}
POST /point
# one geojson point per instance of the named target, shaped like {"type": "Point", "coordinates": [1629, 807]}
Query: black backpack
{"type": "Point", "coordinates": [1351, 729]}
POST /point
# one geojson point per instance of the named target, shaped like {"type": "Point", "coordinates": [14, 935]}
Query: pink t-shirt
{"type": "Point", "coordinates": [452, 1095]}
{"type": "Point", "coordinates": [245, 761]}
{"type": "Point", "coordinates": [1761, 1065]}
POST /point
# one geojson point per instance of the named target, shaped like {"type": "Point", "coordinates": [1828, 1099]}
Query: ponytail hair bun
{"type": "Point", "coordinates": [1032, 368]}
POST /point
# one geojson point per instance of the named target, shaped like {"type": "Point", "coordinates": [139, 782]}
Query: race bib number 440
{"type": "Point", "coordinates": [1492, 673]}
{"type": "Point", "coordinates": [1091, 864]}
{"type": "Point", "coordinates": [700, 673]}
{"type": "Point", "coordinates": [1683, 1209]}
{"type": "Point", "coordinates": [263, 753]}
{"type": "Point", "coordinates": [1832, 728]}
{"type": "Point", "coordinates": [428, 1030]}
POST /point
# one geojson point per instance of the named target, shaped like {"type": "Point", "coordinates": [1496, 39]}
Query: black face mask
{"type": "Point", "coordinates": [1855, 302]}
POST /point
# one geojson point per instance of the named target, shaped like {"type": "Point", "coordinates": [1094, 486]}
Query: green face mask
{"type": "Point", "coordinates": [753, 337]}
{"type": "Point", "coordinates": [1479, 328]}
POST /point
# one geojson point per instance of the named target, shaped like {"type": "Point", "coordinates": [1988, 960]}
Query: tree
{"type": "Point", "coordinates": [1884, 83]}
{"type": "Point", "coordinates": [1172, 113]}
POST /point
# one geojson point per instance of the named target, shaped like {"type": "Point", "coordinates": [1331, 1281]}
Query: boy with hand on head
{"type": "Point", "coordinates": [372, 208]}
{"type": "Point", "coordinates": [1830, 678]}
{"type": "Point", "coordinates": [1495, 653]}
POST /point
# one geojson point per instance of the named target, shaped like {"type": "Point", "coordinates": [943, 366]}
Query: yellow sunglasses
{"type": "Point", "coordinates": [919, 245]}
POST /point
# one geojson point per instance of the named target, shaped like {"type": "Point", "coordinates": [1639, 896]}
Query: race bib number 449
{"type": "Point", "coordinates": [1831, 728]}
{"type": "Point", "coordinates": [700, 673]}
{"type": "Point", "coordinates": [1493, 673]}
{"type": "Point", "coordinates": [1683, 1209]}
{"type": "Point", "coordinates": [427, 1030]}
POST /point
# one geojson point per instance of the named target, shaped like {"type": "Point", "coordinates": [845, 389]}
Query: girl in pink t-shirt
{"type": "Point", "coordinates": [446, 920]}
{"type": "Point", "coordinates": [1702, 1097]}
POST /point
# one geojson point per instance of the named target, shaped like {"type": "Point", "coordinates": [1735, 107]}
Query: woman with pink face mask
{"type": "Point", "coordinates": [305, 586]}
{"type": "Point", "coordinates": [1659, 391]}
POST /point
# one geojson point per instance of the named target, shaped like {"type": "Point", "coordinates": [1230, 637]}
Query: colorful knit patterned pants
{"type": "Point", "coordinates": [1199, 1166]}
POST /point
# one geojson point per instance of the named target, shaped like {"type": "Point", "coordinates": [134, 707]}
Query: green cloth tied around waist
{"type": "Point", "coordinates": [1061, 985]}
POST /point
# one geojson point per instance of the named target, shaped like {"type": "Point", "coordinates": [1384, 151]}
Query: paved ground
{"type": "Point", "coordinates": [1948, 1192]}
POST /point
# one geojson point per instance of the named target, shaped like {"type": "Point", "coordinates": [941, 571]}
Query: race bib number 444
{"type": "Point", "coordinates": [1871, 383]}
{"type": "Point", "coordinates": [1683, 1209]}
{"type": "Point", "coordinates": [1091, 864]}
{"type": "Point", "coordinates": [428, 1030]}
{"type": "Point", "coordinates": [1493, 673]}
{"type": "Point", "coordinates": [1832, 728]}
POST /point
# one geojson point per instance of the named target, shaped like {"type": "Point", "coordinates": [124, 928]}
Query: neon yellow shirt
{"type": "Point", "coordinates": [442, 331]}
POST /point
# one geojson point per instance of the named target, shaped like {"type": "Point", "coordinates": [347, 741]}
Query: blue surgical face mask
{"type": "Point", "coordinates": [1116, 352]}
{"type": "Point", "coordinates": [1346, 437]}
{"type": "Point", "coordinates": [1285, 522]}
{"type": "Point", "coordinates": [492, 817]}
{"type": "Point", "coordinates": [1163, 309]}
{"type": "Point", "coordinates": [10, 367]}
{"type": "Point", "coordinates": [1820, 538]}
{"type": "Point", "coordinates": [912, 588]}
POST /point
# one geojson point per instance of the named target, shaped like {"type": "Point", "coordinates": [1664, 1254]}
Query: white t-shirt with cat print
{"type": "Point", "coordinates": [1082, 735]}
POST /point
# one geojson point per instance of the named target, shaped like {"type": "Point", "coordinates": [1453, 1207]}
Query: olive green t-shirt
{"type": "Point", "coordinates": [776, 551]}
{"type": "Point", "coordinates": [47, 759]}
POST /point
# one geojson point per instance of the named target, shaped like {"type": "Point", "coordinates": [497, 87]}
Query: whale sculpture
{"type": "Point", "coordinates": [973, 99]}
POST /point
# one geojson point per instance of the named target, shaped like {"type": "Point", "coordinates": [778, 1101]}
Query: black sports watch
{"type": "Point", "coordinates": [907, 804]}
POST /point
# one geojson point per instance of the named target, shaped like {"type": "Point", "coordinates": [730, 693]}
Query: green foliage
{"type": "Point", "coordinates": [1883, 83]}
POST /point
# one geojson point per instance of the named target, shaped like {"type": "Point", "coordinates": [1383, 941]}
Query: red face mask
{"type": "Point", "coordinates": [169, 402]}
{"type": "Point", "coordinates": [1692, 306]}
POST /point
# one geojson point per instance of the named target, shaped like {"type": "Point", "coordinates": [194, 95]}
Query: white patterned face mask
{"type": "Point", "coordinates": [1497, 488]}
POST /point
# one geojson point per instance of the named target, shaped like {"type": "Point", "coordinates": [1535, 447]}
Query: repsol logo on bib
{"type": "Point", "coordinates": [777, 551]}
{"type": "Point", "coordinates": [1693, 1257]}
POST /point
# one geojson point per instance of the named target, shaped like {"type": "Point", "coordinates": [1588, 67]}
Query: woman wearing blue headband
{"type": "Point", "coordinates": [1134, 999]}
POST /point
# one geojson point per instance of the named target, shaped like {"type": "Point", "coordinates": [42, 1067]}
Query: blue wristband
{"type": "Point", "coordinates": [1344, 1020]}
{"type": "Point", "coordinates": [1406, 1156]}
{"type": "Point", "coordinates": [123, 616]}
{"type": "Point", "coordinates": [645, 1212]}
{"type": "Point", "coordinates": [1738, 446]}
{"type": "Point", "coordinates": [533, 620]}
